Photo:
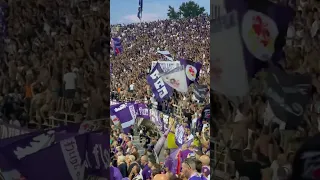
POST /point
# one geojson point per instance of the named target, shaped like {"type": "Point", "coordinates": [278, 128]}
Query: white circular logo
{"type": "Point", "coordinates": [191, 72]}
{"type": "Point", "coordinates": [259, 33]}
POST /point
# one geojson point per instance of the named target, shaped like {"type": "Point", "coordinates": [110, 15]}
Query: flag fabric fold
{"type": "Point", "coordinates": [176, 79]}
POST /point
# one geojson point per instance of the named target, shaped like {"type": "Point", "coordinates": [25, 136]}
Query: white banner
{"type": "Point", "coordinates": [227, 59]}
{"type": "Point", "coordinates": [166, 65]}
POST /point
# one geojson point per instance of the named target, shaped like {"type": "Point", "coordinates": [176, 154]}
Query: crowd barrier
{"type": "Point", "coordinates": [219, 159]}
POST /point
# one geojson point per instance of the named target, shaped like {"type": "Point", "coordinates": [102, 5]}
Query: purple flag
{"type": "Point", "coordinates": [126, 113]}
{"type": "Point", "coordinates": [64, 160]}
{"type": "Point", "coordinates": [160, 89]}
{"type": "Point", "coordinates": [192, 70]}
{"type": "Point", "coordinates": [174, 154]}
{"type": "Point", "coordinates": [19, 149]}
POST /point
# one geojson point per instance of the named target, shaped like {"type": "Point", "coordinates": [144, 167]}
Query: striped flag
{"type": "Point", "coordinates": [166, 54]}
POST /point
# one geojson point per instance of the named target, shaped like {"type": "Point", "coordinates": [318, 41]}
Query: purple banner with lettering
{"type": "Point", "coordinates": [160, 89]}
{"type": "Point", "coordinates": [143, 110]}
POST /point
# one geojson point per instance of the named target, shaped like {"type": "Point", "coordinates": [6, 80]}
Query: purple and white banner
{"type": "Point", "coordinates": [159, 88]}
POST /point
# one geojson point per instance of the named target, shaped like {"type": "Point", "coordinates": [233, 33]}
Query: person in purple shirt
{"type": "Point", "coordinates": [146, 170]}
{"type": "Point", "coordinates": [115, 173]}
{"type": "Point", "coordinates": [168, 164]}
{"type": "Point", "coordinates": [185, 151]}
{"type": "Point", "coordinates": [189, 169]}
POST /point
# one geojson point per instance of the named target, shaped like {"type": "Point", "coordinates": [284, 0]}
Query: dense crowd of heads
{"type": "Point", "coordinates": [55, 55]}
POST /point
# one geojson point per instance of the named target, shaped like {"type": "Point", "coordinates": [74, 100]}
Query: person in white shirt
{"type": "Point", "coordinates": [70, 85]}
{"type": "Point", "coordinates": [131, 88]}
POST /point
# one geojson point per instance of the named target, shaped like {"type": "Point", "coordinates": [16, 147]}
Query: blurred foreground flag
{"type": "Point", "coordinates": [258, 30]}
{"type": "Point", "coordinates": [227, 67]}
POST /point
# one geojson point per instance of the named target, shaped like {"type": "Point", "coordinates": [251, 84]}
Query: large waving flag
{"type": "Point", "coordinates": [176, 78]}
{"type": "Point", "coordinates": [166, 54]}
{"type": "Point", "coordinates": [116, 46]}
{"type": "Point", "coordinates": [263, 27]}
{"type": "Point", "coordinates": [192, 70]}
{"type": "Point", "coordinates": [259, 30]}
{"type": "Point", "coordinates": [160, 89]}
{"type": "Point", "coordinates": [140, 9]}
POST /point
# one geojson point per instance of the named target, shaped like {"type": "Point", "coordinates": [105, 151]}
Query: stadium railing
{"type": "Point", "coordinates": [220, 159]}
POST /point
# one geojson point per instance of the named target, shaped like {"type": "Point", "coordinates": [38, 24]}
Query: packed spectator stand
{"type": "Point", "coordinates": [132, 153]}
{"type": "Point", "coordinates": [54, 59]}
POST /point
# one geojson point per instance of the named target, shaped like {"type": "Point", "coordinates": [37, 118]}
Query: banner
{"type": "Point", "coordinates": [161, 90]}
{"type": "Point", "coordinates": [126, 113]}
{"type": "Point", "coordinates": [165, 65]}
{"type": "Point", "coordinates": [192, 70]}
{"type": "Point", "coordinates": [228, 69]}
{"type": "Point", "coordinates": [288, 96]}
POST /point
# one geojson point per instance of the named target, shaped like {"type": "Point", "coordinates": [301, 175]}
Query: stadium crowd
{"type": "Point", "coordinates": [186, 38]}
{"type": "Point", "coordinates": [259, 150]}
{"type": "Point", "coordinates": [54, 59]}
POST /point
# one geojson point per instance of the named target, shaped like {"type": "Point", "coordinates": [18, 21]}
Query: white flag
{"type": "Point", "coordinates": [176, 78]}
{"type": "Point", "coordinates": [166, 54]}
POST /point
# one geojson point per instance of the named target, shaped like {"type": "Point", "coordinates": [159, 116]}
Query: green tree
{"type": "Point", "coordinates": [187, 10]}
{"type": "Point", "coordinates": [173, 14]}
